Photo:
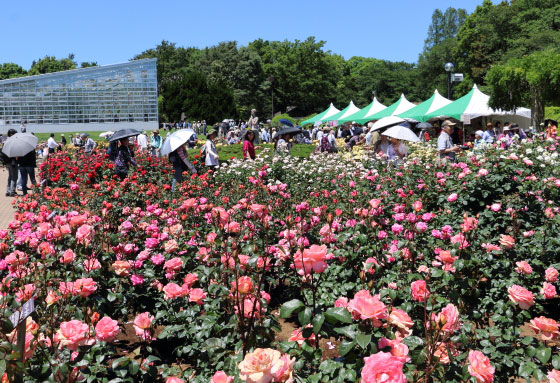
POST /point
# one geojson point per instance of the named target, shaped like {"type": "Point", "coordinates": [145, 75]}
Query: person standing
{"type": "Point", "coordinates": [249, 146]}
{"type": "Point", "coordinates": [447, 150]}
{"type": "Point", "coordinates": [179, 160]}
{"type": "Point", "coordinates": [211, 153]}
{"type": "Point", "coordinates": [124, 159]}
{"type": "Point", "coordinates": [27, 165]}
{"type": "Point", "coordinates": [155, 144]}
{"type": "Point", "coordinates": [63, 141]}
{"type": "Point", "coordinates": [89, 144]}
{"type": "Point", "coordinates": [12, 166]}
{"type": "Point", "coordinates": [142, 141]}
{"type": "Point", "coordinates": [52, 144]}
{"type": "Point", "coordinates": [488, 134]}
{"type": "Point", "coordinates": [396, 150]}
{"type": "Point", "coordinates": [332, 141]}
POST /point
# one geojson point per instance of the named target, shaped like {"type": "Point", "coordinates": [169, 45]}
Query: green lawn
{"type": "Point", "coordinates": [57, 136]}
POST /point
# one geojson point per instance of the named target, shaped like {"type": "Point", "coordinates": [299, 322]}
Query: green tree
{"type": "Point", "coordinates": [445, 25]}
{"type": "Point", "coordinates": [11, 70]}
{"type": "Point", "coordinates": [86, 64]}
{"type": "Point", "coordinates": [532, 80]}
{"type": "Point", "coordinates": [50, 64]}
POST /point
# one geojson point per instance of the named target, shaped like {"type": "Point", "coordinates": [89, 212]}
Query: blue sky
{"type": "Point", "coordinates": [114, 31]}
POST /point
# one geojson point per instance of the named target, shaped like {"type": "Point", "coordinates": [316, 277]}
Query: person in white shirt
{"type": "Point", "coordinates": [52, 144]}
{"type": "Point", "coordinates": [142, 142]}
{"type": "Point", "coordinates": [319, 135]}
{"type": "Point", "coordinates": [210, 149]}
{"type": "Point", "coordinates": [332, 141]}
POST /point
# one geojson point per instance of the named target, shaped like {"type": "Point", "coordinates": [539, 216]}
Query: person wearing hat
{"type": "Point", "coordinates": [155, 144]}
{"type": "Point", "coordinates": [506, 138]}
{"type": "Point", "coordinates": [479, 142]}
{"type": "Point", "coordinates": [63, 141]}
{"type": "Point", "coordinates": [444, 144]}
{"type": "Point", "coordinates": [488, 134]}
{"type": "Point", "coordinates": [209, 148]}
{"type": "Point", "coordinates": [520, 133]}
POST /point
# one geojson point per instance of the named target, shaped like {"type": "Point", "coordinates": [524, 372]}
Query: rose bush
{"type": "Point", "coordinates": [422, 272]}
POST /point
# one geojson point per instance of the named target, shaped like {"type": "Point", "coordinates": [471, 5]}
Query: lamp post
{"type": "Point", "coordinates": [449, 69]}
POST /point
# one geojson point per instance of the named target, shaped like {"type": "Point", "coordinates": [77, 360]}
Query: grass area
{"type": "Point", "coordinates": [227, 152]}
{"type": "Point", "coordinates": [57, 136]}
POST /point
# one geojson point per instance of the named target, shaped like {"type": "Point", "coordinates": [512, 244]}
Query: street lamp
{"type": "Point", "coordinates": [449, 69]}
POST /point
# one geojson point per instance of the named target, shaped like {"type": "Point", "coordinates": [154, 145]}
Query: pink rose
{"type": "Point", "coordinates": [421, 226]}
{"type": "Point", "coordinates": [341, 302]}
{"type": "Point", "coordinates": [553, 376]}
{"type": "Point", "coordinates": [244, 285]}
{"type": "Point", "coordinates": [548, 290]}
{"type": "Point", "coordinates": [402, 321]}
{"type": "Point", "coordinates": [480, 367]}
{"type": "Point", "coordinates": [84, 235]}
{"type": "Point", "coordinates": [417, 205]}
{"type": "Point", "coordinates": [171, 246]}
{"type": "Point", "coordinates": [174, 264]}
{"type": "Point", "coordinates": [197, 296]}
{"type": "Point", "coordinates": [398, 350]}
{"type": "Point", "coordinates": [397, 228]}
{"type": "Point", "coordinates": [551, 275]}
{"type": "Point", "coordinates": [121, 268]}
{"type": "Point", "coordinates": [545, 327]}
{"type": "Point", "coordinates": [365, 306]}
{"type": "Point", "coordinates": [67, 257]}
{"type": "Point", "coordinates": [495, 207]}
{"type": "Point", "coordinates": [420, 291]}
{"type": "Point", "coordinates": [233, 227]}
{"type": "Point", "coordinates": [452, 197]}
{"type": "Point", "coordinates": [312, 260]}
{"type": "Point", "coordinates": [221, 377]}
{"type": "Point", "coordinates": [382, 368]}
{"type": "Point", "coordinates": [265, 365]}
{"type": "Point", "coordinates": [84, 287]}
{"type": "Point", "coordinates": [448, 320]}
{"type": "Point", "coordinates": [72, 334]}
{"type": "Point", "coordinates": [523, 268]}
{"type": "Point", "coordinates": [521, 296]}
{"type": "Point", "coordinates": [142, 325]}
{"type": "Point", "coordinates": [190, 279]}
{"type": "Point", "coordinates": [482, 172]}
{"type": "Point", "coordinates": [507, 241]}
{"type": "Point", "coordinates": [106, 329]}
{"type": "Point", "coordinates": [173, 290]}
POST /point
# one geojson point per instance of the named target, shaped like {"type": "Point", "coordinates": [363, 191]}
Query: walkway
{"type": "Point", "coordinates": [6, 209]}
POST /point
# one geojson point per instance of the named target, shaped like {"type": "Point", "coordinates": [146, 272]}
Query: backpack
{"type": "Point", "coordinates": [325, 144]}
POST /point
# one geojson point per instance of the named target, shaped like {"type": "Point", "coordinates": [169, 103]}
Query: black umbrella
{"type": "Point", "coordinates": [289, 130]}
{"type": "Point", "coordinates": [124, 133]}
{"type": "Point", "coordinates": [424, 125]}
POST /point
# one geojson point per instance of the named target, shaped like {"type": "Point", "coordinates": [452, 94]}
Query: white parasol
{"type": "Point", "coordinates": [401, 133]}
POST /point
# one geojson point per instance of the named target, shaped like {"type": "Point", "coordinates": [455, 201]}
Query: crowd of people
{"type": "Point", "coordinates": [327, 138]}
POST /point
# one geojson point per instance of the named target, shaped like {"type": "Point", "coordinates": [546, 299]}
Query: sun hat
{"type": "Point", "coordinates": [447, 123]}
{"type": "Point", "coordinates": [479, 133]}
{"type": "Point", "coordinates": [506, 128]}
{"type": "Point", "coordinates": [210, 132]}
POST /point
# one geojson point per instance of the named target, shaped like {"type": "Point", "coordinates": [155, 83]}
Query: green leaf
{"type": "Point", "coordinates": [543, 354]}
{"type": "Point", "coordinates": [345, 347]}
{"type": "Point", "coordinates": [338, 314]}
{"type": "Point", "coordinates": [556, 362]}
{"type": "Point", "coordinates": [413, 341]}
{"type": "Point", "coordinates": [363, 340]}
{"type": "Point", "coordinates": [305, 316]}
{"type": "Point", "coordinates": [2, 367]}
{"type": "Point", "coordinates": [133, 367]}
{"type": "Point", "coordinates": [295, 305]}
{"type": "Point", "coordinates": [526, 369]}
{"type": "Point", "coordinates": [318, 323]}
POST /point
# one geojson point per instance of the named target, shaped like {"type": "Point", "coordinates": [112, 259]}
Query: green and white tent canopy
{"type": "Point", "coordinates": [472, 105]}
{"type": "Point", "coordinates": [350, 109]}
{"type": "Point", "coordinates": [363, 114]}
{"type": "Point", "coordinates": [331, 110]}
{"type": "Point", "coordinates": [400, 106]}
{"type": "Point", "coordinates": [418, 113]}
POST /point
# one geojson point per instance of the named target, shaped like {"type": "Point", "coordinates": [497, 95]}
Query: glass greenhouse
{"type": "Point", "coordinates": [107, 97]}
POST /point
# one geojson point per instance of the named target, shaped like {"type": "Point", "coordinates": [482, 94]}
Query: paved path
{"type": "Point", "coordinates": [6, 209]}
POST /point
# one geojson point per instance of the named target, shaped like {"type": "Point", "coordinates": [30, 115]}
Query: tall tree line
{"type": "Point", "coordinates": [301, 77]}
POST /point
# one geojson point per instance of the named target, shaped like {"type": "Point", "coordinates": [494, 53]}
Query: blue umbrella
{"type": "Point", "coordinates": [283, 121]}
{"type": "Point", "coordinates": [424, 125]}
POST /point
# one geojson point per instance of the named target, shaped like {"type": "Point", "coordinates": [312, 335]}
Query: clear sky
{"type": "Point", "coordinates": [114, 31]}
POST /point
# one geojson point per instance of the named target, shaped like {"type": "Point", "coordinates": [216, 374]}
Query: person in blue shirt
{"type": "Point", "coordinates": [488, 134]}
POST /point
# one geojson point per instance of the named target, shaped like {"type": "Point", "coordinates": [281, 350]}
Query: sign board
{"type": "Point", "coordinates": [457, 77]}
{"type": "Point", "coordinates": [25, 310]}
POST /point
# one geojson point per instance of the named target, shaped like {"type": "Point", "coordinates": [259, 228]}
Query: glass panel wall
{"type": "Point", "coordinates": [106, 94]}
